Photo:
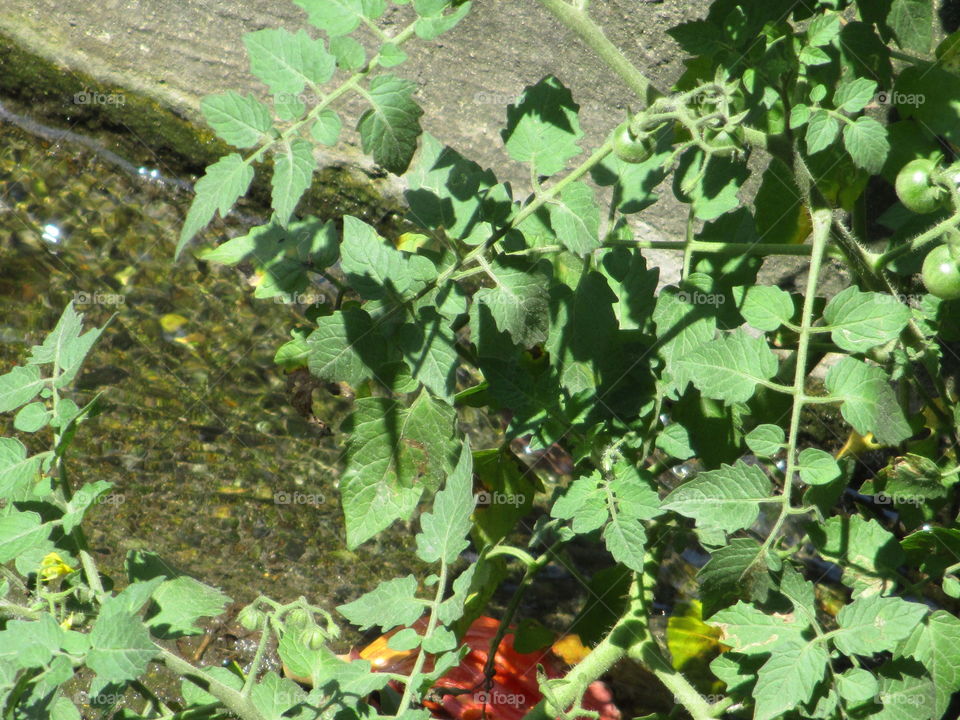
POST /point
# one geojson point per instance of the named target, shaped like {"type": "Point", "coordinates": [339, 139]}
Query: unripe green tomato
{"type": "Point", "coordinates": [250, 618]}
{"type": "Point", "coordinates": [313, 637]}
{"type": "Point", "coordinates": [298, 619]}
{"type": "Point", "coordinates": [941, 274]}
{"type": "Point", "coordinates": [916, 189]}
{"type": "Point", "coordinates": [632, 148]}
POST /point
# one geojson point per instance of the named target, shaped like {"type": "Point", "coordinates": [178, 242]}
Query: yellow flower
{"type": "Point", "coordinates": [67, 622]}
{"type": "Point", "coordinates": [53, 567]}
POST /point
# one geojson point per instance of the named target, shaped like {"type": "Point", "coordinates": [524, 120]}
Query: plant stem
{"type": "Point", "coordinates": [408, 689]}
{"type": "Point", "coordinates": [232, 699]}
{"type": "Point", "coordinates": [251, 678]}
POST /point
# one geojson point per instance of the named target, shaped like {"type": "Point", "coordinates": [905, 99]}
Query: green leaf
{"type": "Point", "coordinates": [866, 141]}
{"type": "Point", "coordinates": [736, 571]}
{"type": "Point", "coordinates": [906, 692]}
{"type": "Point", "coordinates": [822, 130]}
{"type": "Point", "coordinates": [17, 471]}
{"type": "Point", "coordinates": [869, 403]}
{"type": "Point", "coordinates": [874, 624]}
{"type": "Point", "coordinates": [32, 417]}
{"type": "Point", "coordinates": [674, 440]}
{"type": "Point", "coordinates": [393, 603]}
{"type": "Point", "coordinates": [394, 454]}
{"type": "Point", "coordinates": [19, 386]}
{"type": "Point", "coordinates": [862, 320]}
{"type": "Point", "coordinates": [766, 440]}
{"type": "Point", "coordinates": [81, 501]}
{"type": "Point", "coordinates": [823, 29]}
{"type": "Point", "coordinates": [375, 269]}
{"type": "Point", "coordinates": [584, 503]}
{"type": "Point", "coordinates": [350, 54]}
{"type": "Point", "coordinates": [31, 644]}
{"type": "Point", "coordinates": [429, 349]}
{"type": "Point", "coordinates": [346, 347]}
{"type": "Point", "coordinates": [65, 347]}
{"type": "Point", "coordinates": [711, 186]}
{"type": "Point", "coordinates": [341, 17]}
{"type": "Point", "coordinates": [726, 499]}
{"type": "Point", "coordinates": [728, 369]}
{"type": "Point", "coordinates": [857, 685]}
{"type": "Point", "coordinates": [543, 128]}
{"type": "Point", "coordinates": [813, 56]}
{"type": "Point", "coordinates": [241, 120]}
{"type": "Point", "coordinates": [391, 55]}
{"type": "Point", "coordinates": [120, 646]}
{"type": "Point", "coordinates": [936, 643]}
{"type": "Point", "coordinates": [192, 694]}
{"type": "Point", "coordinates": [750, 631]}
{"type": "Point", "coordinates": [273, 695]}
{"type": "Point", "coordinates": [854, 96]}
{"type": "Point", "coordinates": [817, 467]}
{"type": "Point", "coordinates": [390, 128]}
{"type": "Point", "coordinates": [788, 679]}
{"type": "Point", "coordinates": [326, 130]}
{"type": "Point", "coordinates": [430, 27]}
{"type": "Point", "coordinates": [181, 602]}
{"type": "Point", "coordinates": [912, 23]}
{"type": "Point", "coordinates": [293, 170]}
{"type": "Point", "coordinates": [682, 327]}
{"type": "Point", "coordinates": [868, 554]}
{"type": "Point", "coordinates": [286, 62]}
{"type": "Point", "coordinates": [223, 183]}
{"type": "Point", "coordinates": [19, 532]}
{"type": "Point", "coordinates": [443, 532]}
{"type": "Point", "coordinates": [519, 303]}
{"type": "Point", "coordinates": [576, 219]}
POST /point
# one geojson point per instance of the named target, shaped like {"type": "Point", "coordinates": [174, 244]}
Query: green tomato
{"type": "Point", "coordinates": [916, 189]}
{"type": "Point", "coordinates": [632, 148]}
{"type": "Point", "coordinates": [941, 274]}
{"type": "Point", "coordinates": [313, 637]}
{"type": "Point", "coordinates": [250, 618]}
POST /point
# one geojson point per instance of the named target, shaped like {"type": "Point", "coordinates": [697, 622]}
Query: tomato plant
{"type": "Point", "coordinates": [823, 573]}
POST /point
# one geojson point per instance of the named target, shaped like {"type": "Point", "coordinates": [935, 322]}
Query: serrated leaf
{"type": "Point", "coordinates": [17, 471]}
{"type": "Point", "coordinates": [520, 303]}
{"type": "Point", "coordinates": [346, 347]}
{"type": "Point", "coordinates": [763, 306]}
{"type": "Point", "coordinates": [936, 643]}
{"type": "Point", "coordinates": [811, 55]}
{"type": "Point", "coordinates": [543, 127]}
{"type": "Point", "coordinates": [19, 386]}
{"type": "Point", "coordinates": [736, 571]}
{"type": "Point", "coordinates": [584, 503]}
{"type": "Point", "coordinates": [727, 499]}
{"type": "Point", "coordinates": [868, 553]}
{"type": "Point", "coordinates": [391, 55]}
{"type": "Point", "coordinates": [869, 403]}
{"type": "Point", "coordinates": [750, 631]}
{"type": "Point", "coordinates": [728, 369]}
{"type": "Point", "coordinates": [823, 29]}
{"type": "Point", "coordinates": [286, 62]}
{"type": "Point", "coordinates": [393, 603]}
{"type": "Point", "coordinates": [348, 51]}
{"type": "Point", "coordinates": [857, 685]}
{"type": "Point", "coordinates": [711, 186]}
{"type": "Point", "coordinates": [854, 96]}
{"type": "Point", "coordinates": [799, 114]}
{"type": "Point", "coordinates": [874, 624]}
{"type": "Point", "coordinates": [674, 440]}
{"type": "Point", "coordinates": [766, 440]}
{"type": "Point", "coordinates": [394, 454]}
{"type": "Point", "coordinates": [222, 184]}
{"type": "Point", "coordinates": [788, 679]}
{"type": "Point", "coordinates": [443, 532]}
{"type": "Point", "coordinates": [817, 467]}
{"type": "Point", "coordinates": [32, 417]}
{"type": "Point", "coordinates": [65, 347]}
{"type": "Point", "coordinates": [390, 128]}
{"type": "Point", "coordinates": [181, 602]}
{"type": "Point", "coordinates": [273, 695]}
{"type": "Point", "coordinates": [822, 130]}
{"type": "Point", "coordinates": [375, 269]}
{"type": "Point", "coordinates": [82, 500]}
{"type": "Point", "coordinates": [682, 327]}
{"type": "Point", "coordinates": [341, 17]}
{"type": "Point", "coordinates": [866, 141]}
{"type": "Point", "coordinates": [912, 23]}
{"type": "Point", "coordinates": [241, 120]}
{"type": "Point", "coordinates": [120, 646]}
{"type": "Point", "coordinates": [862, 320]}
{"type": "Point", "coordinates": [19, 532]}
{"type": "Point", "coordinates": [429, 350]}
{"type": "Point", "coordinates": [433, 26]}
{"type": "Point", "coordinates": [326, 130]}
{"type": "Point", "coordinates": [575, 218]}
{"type": "Point", "coordinates": [194, 695]}
{"type": "Point", "coordinates": [293, 168]}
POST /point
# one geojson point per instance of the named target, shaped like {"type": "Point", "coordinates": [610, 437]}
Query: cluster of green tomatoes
{"type": "Point", "coordinates": [922, 187]}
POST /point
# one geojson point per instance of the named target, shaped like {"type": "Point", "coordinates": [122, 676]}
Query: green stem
{"type": "Point", "coordinates": [251, 678]}
{"type": "Point", "coordinates": [232, 699]}
{"type": "Point", "coordinates": [409, 691]}
{"type": "Point", "coordinates": [822, 221]}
